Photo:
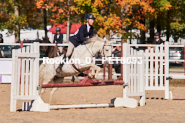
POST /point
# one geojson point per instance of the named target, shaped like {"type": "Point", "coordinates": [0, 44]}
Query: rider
{"type": "Point", "coordinates": [1, 38]}
{"type": "Point", "coordinates": [157, 39]}
{"type": "Point", "coordinates": [85, 32]}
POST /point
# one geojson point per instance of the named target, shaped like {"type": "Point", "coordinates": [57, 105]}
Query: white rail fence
{"type": "Point", "coordinates": [156, 80]}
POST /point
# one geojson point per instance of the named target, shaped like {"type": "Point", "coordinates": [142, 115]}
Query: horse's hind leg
{"type": "Point", "coordinates": [51, 94]}
{"type": "Point", "coordinates": [97, 69]}
{"type": "Point", "coordinates": [56, 80]}
{"type": "Point", "coordinates": [46, 80]}
{"type": "Point", "coordinates": [42, 91]}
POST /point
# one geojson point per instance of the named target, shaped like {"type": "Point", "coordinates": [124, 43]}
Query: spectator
{"type": "Point", "coordinates": [1, 38]}
{"type": "Point", "coordinates": [157, 39]}
{"type": "Point", "coordinates": [117, 66]}
{"type": "Point", "coordinates": [1, 41]}
{"type": "Point", "coordinates": [58, 39]}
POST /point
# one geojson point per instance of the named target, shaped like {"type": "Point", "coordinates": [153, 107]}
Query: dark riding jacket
{"type": "Point", "coordinates": [82, 35]}
{"type": "Point", "coordinates": [117, 66]}
{"type": "Point", "coordinates": [160, 41]}
{"type": "Point", "coordinates": [1, 41]}
{"type": "Point", "coordinates": [58, 40]}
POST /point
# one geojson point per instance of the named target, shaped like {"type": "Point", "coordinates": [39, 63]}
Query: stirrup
{"type": "Point", "coordinates": [59, 68]}
{"type": "Point", "coordinates": [61, 65]}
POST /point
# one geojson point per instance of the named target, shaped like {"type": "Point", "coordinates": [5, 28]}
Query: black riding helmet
{"type": "Point", "coordinates": [89, 16]}
{"type": "Point", "coordinates": [157, 34]}
{"type": "Point", "coordinates": [57, 29]}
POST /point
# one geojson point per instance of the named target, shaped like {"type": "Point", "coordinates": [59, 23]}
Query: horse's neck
{"type": "Point", "coordinates": [81, 52]}
{"type": "Point", "coordinates": [84, 51]}
{"type": "Point", "coordinates": [94, 48]}
{"type": "Point", "coordinates": [52, 51]}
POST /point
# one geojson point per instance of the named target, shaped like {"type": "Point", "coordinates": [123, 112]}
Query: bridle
{"type": "Point", "coordinates": [103, 49]}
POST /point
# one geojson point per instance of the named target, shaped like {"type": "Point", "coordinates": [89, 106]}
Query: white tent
{"type": "Point", "coordinates": [26, 35]}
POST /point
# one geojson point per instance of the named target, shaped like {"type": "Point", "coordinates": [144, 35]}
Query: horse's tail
{"type": "Point", "coordinates": [41, 73]}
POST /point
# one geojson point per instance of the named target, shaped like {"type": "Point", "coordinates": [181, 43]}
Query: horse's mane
{"type": "Point", "coordinates": [94, 39]}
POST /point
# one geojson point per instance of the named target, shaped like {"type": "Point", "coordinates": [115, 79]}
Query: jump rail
{"type": "Point", "coordinates": [82, 84]}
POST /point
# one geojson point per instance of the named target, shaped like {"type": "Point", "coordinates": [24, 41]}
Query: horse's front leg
{"type": "Point", "coordinates": [94, 71]}
{"type": "Point", "coordinates": [97, 69]}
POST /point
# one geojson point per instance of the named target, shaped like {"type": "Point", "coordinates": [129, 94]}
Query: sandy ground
{"type": "Point", "coordinates": [155, 110]}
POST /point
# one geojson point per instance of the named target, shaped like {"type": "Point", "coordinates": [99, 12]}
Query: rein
{"type": "Point", "coordinates": [89, 50]}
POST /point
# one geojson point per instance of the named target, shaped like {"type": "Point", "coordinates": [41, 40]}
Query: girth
{"type": "Point", "coordinates": [75, 68]}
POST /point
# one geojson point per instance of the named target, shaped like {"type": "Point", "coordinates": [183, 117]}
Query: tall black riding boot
{"type": "Point", "coordinates": [61, 65]}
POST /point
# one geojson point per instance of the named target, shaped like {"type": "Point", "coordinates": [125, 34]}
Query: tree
{"type": "Point", "coordinates": [18, 14]}
{"type": "Point", "coordinates": [61, 11]}
{"type": "Point", "coordinates": [175, 20]}
{"type": "Point", "coordinates": [115, 16]}
{"type": "Point", "coordinates": [162, 7]}
{"type": "Point", "coordinates": [59, 8]}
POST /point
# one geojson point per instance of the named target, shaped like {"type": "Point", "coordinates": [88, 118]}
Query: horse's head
{"type": "Point", "coordinates": [107, 49]}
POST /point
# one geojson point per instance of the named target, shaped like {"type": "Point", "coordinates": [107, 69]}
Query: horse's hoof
{"type": "Point", "coordinates": [90, 76]}
{"type": "Point", "coordinates": [73, 79]}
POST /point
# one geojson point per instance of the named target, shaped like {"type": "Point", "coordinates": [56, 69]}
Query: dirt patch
{"type": "Point", "coordinates": [156, 109]}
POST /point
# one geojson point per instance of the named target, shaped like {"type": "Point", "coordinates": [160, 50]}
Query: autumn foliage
{"type": "Point", "coordinates": [111, 15]}
{"type": "Point", "coordinates": [117, 16]}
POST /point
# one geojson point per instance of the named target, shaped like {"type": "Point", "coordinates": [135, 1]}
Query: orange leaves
{"type": "Point", "coordinates": [98, 3]}
{"type": "Point", "coordinates": [111, 15]}
{"type": "Point", "coordinates": [101, 32]}
{"type": "Point", "coordinates": [132, 11]}
{"type": "Point", "coordinates": [59, 9]}
{"type": "Point", "coordinates": [140, 26]}
{"type": "Point", "coordinates": [122, 3]}
{"type": "Point", "coordinates": [40, 3]}
{"type": "Point", "coordinates": [112, 22]}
